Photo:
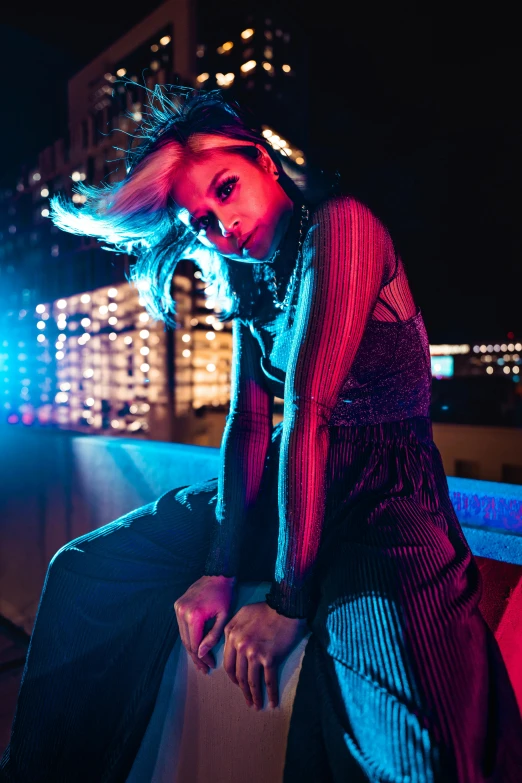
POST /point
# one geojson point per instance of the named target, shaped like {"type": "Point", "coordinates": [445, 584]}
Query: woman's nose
{"type": "Point", "coordinates": [229, 228]}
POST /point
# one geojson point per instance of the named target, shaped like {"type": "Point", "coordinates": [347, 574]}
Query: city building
{"type": "Point", "coordinates": [76, 349]}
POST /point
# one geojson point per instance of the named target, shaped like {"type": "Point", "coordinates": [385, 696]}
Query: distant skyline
{"type": "Point", "coordinates": [420, 115]}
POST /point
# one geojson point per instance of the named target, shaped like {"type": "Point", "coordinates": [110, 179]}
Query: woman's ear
{"type": "Point", "coordinates": [266, 161]}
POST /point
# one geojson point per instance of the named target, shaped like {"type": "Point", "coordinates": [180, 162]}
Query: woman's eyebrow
{"type": "Point", "coordinates": [215, 178]}
{"type": "Point", "coordinates": [183, 214]}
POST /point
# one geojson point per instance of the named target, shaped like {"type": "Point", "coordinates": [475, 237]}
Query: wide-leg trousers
{"type": "Point", "coordinates": [401, 681]}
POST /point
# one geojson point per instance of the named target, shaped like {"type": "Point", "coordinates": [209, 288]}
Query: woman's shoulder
{"type": "Point", "coordinates": [340, 205]}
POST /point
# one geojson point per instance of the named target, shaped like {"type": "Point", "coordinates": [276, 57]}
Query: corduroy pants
{"type": "Point", "coordinates": [401, 680]}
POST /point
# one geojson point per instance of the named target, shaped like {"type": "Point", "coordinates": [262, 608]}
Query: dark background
{"type": "Point", "coordinates": [418, 111]}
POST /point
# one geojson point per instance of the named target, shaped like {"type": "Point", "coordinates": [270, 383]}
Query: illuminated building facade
{"type": "Point", "coordinates": [97, 362]}
{"type": "Point", "coordinates": [260, 59]}
{"type": "Point", "coordinates": [73, 350]}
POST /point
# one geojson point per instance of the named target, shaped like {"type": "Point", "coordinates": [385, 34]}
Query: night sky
{"type": "Point", "coordinates": [419, 111]}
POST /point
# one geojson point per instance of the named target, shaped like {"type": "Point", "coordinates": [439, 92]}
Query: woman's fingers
{"type": "Point", "coordinates": [254, 682]}
{"type": "Point", "coordinates": [242, 677]}
{"type": "Point", "coordinates": [184, 632]}
{"type": "Point", "coordinates": [272, 687]}
{"type": "Point", "coordinates": [195, 623]}
{"type": "Point", "coordinates": [229, 658]}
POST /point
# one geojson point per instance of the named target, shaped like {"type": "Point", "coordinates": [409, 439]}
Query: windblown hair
{"type": "Point", "coordinates": [138, 215]}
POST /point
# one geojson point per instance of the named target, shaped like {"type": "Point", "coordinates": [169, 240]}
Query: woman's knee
{"type": "Point", "coordinates": [101, 539]}
{"type": "Point", "coordinates": [152, 534]}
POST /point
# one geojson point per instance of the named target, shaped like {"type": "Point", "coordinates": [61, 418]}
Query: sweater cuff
{"type": "Point", "coordinates": [223, 555]}
{"type": "Point", "coordinates": [294, 602]}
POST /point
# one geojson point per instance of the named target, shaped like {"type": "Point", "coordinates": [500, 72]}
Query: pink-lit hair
{"type": "Point", "coordinates": [138, 216]}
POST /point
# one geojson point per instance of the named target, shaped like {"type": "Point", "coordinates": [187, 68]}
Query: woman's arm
{"type": "Point", "coordinates": [244, 446]}
{"type": "Point", "coordinates": [343, 271]}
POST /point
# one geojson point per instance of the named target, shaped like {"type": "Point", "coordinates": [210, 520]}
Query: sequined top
{"type": "Point", "coordinates": [333, 364]}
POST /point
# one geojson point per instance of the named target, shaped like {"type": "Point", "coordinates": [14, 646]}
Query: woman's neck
{"type": "Point", "coordinates": [287, 249]}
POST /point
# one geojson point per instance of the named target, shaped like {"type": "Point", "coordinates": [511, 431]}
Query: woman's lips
{"type": "Point", "coordinates": [248, 243]}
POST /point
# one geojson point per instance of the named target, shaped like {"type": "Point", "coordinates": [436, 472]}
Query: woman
{"type": "Point", "coordinates": [344, 505]}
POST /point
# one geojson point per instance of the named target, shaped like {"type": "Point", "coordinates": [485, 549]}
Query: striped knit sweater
{"type": "Point", "coordinates": [305, 355]}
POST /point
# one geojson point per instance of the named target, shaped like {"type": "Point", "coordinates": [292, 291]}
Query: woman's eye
{"type": "Point", "coordinates": [201, 225]}
{"type": "Point", "coordinates": [227, 187]}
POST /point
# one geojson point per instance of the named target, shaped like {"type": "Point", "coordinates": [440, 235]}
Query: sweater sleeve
{"type": "Point", "coordinates": [244, 445]}
{"type": "Point", "coordinates": [343, 270]}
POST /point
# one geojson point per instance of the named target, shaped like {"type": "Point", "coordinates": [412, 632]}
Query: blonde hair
{"type": "Point", "coordinates": [138, 216]}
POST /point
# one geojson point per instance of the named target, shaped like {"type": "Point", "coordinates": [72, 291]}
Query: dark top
{"type": "Point", "coordinates": [333, 364]}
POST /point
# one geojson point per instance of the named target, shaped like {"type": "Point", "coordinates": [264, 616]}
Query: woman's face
{"type": "Point", "coordinates": [236, 204]}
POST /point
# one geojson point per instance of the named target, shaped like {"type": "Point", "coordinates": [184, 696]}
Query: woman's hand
{"type": "Point", "coordinates": [208, 598]}
{"type": "Point", "coordinates": [257, 639]}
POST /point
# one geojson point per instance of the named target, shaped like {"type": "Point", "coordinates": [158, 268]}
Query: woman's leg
{"type": "Point", "coordinates": [407, 678]}
{"type": "Point", "coordinates": [104, 629]}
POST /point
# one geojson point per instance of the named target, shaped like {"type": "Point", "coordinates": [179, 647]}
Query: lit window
{"type": "Point", "coordinates": [224, 79]}
{"type": "Point", "coordinates": [227, 46]}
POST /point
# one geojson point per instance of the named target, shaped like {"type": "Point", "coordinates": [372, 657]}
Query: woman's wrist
{"type": "Point", "coordinates": [229, 579]}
